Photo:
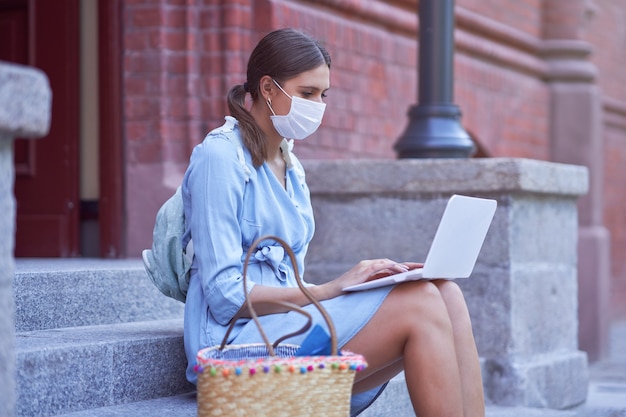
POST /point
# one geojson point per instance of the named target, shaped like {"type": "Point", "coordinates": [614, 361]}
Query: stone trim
{"type": "Point", "coordinates": [445, 176]}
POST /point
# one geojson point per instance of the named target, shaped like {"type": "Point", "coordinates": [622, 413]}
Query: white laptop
{"type": "Point", "coordinates": [455, 247]}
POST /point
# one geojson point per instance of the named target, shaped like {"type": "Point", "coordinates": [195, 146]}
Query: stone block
{"type": "Point", "coordinates": [543, 229]}
{"type": "Point", "coordinates": [523, 293]}
{"type": "Point", "coordinates": [544, 300]}
{"type": "Point", "coordinates": [7, 231]}
{"type": "Point", "coordinates": [7, 353]}
{"type": "Point", "coordinates": [25, 101]}
{"type": "Point", "coordinates": [546, 381]}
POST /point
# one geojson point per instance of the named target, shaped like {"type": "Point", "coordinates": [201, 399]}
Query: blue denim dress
{"type": "Point", "coordinates": [228, 205]}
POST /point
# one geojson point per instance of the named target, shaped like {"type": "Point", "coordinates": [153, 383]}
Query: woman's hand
{"type": "Point", "coordinates": [366, 271]}
{"type": "Point", "coordinates": [407, 265]}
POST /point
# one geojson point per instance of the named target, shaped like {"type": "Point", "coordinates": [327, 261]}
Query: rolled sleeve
{"type": "Point", "coordinates": [227, 290]}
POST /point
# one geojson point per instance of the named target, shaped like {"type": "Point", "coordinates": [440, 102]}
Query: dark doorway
{"type": "Point", "coordinates": [46, 34]}
{"type": "Point", "coordinates": [43, 35]}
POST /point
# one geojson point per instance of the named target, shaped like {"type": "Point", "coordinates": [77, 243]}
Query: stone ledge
{"type": "Point", "coordinates": [25, 101]}
{"type": "Point", "coordinates": [441, 176]}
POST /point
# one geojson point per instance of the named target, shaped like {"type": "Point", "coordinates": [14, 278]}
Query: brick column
{"type": "Point", "coordinates": [576, 138]}
{"type": "Point", "coordinates": [25, 100]}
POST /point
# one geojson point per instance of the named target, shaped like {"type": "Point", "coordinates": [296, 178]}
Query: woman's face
{"type": "Point", "coordinates": [309, 85]}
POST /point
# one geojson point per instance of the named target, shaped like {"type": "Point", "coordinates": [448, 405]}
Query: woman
{"type": "Point", "coordinates": [243, 182]}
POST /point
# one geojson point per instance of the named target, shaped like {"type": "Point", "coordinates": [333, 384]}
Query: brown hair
{"type": "Point", "coordinates": [281, 54]}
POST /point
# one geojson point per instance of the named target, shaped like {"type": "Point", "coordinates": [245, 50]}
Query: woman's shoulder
{"type": "Point", "coordinates": [226, 138]}
{"type": "Point", "coordinates": [223, 145]}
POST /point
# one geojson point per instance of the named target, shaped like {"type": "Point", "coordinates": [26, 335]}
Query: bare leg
{"type": "Point", "coordinates": [466, 352]}
{"type": "Point", "coordinates": [379, 377]}
{"type": "Point", "coordinates": [413, 324]}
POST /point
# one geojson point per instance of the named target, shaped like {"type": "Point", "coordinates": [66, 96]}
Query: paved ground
{"type": "Point", "coordinates": [607, 387]}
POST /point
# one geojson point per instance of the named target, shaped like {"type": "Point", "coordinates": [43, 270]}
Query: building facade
{"type": "Point", "coordinates": [137, 83]}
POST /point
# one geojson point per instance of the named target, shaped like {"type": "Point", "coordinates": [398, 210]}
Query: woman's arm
{"type": "Point", "coordinates": [262, 296]}
{"type": "Point", "coordinates": [215, 182]}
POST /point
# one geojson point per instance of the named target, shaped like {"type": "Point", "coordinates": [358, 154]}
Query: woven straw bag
{"type": "Point", "coordinates": [267, 380]}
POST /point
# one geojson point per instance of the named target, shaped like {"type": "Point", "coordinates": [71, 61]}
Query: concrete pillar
{"type": "Point", "coordinates": [25, 100]}
{"type": "Point", "coordinates": [576, 138]}
{"type": "Point", "coordinates": [523, 292]}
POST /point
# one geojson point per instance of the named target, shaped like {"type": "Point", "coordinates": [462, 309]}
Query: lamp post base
{"type": "Point", "coordinates": [434, 131]}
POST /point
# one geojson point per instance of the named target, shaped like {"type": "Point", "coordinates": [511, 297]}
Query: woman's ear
{"type": "Point", "coordinates": [266, 85]}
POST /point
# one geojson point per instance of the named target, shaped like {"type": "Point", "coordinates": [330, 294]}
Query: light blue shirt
{"type": "Point", "coordinates": [228, 205]}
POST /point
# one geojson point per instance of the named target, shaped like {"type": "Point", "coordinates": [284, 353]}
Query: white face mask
{"type": "Point", "coordinates": [304, 117]}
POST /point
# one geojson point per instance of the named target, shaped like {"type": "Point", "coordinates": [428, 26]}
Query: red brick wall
{"type": "Point", "coordinates": [503, 109]}
{"type": "Point", "coordinates": [523, 15]}
{"type": "Point", "coordinates": [174, 73]}
{"type": "Point", "coordinates": [606, 31]}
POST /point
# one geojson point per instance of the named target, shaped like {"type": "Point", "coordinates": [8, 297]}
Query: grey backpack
{"type": "Point", "coordinates": [169, 260]}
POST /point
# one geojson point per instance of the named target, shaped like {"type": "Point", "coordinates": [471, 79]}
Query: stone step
{"type": "Point", "coordinates": [183, 405]}
{"type": "Point", "coordinates": [80, 368]}
{"type": "Point", "coordinates": [394, 402]}
{"type": "Point", "coordinates": [386, 406]}
{"type": "Point", "coordinates": [59, 293]}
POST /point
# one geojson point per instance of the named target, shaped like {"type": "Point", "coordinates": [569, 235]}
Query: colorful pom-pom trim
{"type": "Point", "coordinates": [302, 365]}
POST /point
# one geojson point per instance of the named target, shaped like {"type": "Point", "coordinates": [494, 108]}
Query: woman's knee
{"type": "Point", "coordinates": [450, 290]}
{"type": "Point", "coordinates": [455, 301]}
{"type": "Point", "coordinates": [420, 302]}
{"type": "Point", "coordinates": [416, 294]}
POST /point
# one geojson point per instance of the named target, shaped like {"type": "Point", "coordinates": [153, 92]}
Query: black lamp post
{"type": "Point", "coordinates": [434, 129]}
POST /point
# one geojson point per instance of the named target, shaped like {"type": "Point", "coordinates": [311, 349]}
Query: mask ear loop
{"type": "Point", "coordinates": [282, 89]}
{"type": "Point", "coordinates": [269, 104]}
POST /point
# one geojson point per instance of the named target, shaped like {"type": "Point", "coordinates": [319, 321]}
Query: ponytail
{"type": "Point", "coordinates": [251, 133]}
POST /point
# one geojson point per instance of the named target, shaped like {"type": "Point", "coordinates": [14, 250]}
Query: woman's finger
{"type": "Point", "coordinates": [413, 265]}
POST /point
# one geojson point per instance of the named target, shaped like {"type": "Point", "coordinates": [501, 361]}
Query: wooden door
{"type": "Point", "coordinates": [110, 57]}
{"type": "Point", "coordinates": [45, 34]}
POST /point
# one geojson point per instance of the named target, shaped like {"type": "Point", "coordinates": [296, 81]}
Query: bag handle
{"type": "Point", "coordinates": [291, 306]}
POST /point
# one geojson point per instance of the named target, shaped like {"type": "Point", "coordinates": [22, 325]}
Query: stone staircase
{"type": "Point", "coordinates": [96, 338]}
{"type": "Point", "coordinates": [92, 334]}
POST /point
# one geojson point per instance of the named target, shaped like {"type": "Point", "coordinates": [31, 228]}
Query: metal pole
{"type": "Point", "coordinates": [434, 129]}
